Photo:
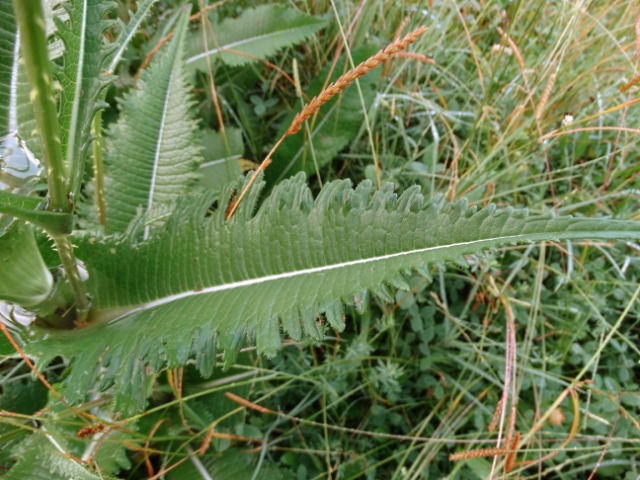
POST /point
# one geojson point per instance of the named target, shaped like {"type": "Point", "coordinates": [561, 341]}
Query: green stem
{"type": "Point", "coordinates": [30, 18]}
{"type": "Point", "coordinates": [34, 50]}
{"type": "Point", "coordinates": [98, 169]}
{"type": "Point", "coordinates": [65, 252]}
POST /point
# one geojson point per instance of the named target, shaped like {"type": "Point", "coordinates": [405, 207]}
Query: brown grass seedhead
{"type": "Point", "coordinates": [349, 77]}
{"type": "Point", "coordinates": [327, 94]}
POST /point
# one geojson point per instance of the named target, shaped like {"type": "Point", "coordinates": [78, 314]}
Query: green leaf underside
{"type": "Point", "coordinates": [256, 34]}
{"type": "Point", "coordinates": [81, 78]}
{"type": "Point", "coordinates": [152, 151]}
{"type": "Point", "coordinates": [25, 279]}
{"type": "Point", "coordinates": [222, 153]}
{"type": "Point", "coordinates": [203, 282]}
{"type": "Point", "coordinates": [338, 121]}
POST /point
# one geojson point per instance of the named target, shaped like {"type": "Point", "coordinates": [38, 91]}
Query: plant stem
{"type": "Point", "coordinates": [68, 258]}
{"type": "Point", "coordinates": [34, 50]}
{"type": "Point", "coordinates": [98, 170]}
{"type": "Point", "coordinates": [30, 18]}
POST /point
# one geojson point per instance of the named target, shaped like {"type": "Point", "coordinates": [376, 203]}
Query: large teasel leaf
{"type": "Point", "coordinates": [204, 282]}
{"type": "Point", "coordinates": [255, 35]}
{"type": "Point", "coordinates": [152, 151]}
{"type": "Point", "coordinates": [81, 77]}
{"type": "Point", "coordinates": [337, 123]}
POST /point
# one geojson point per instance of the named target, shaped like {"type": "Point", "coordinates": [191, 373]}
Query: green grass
{"type": "Point", "coordinates": [410, 382]}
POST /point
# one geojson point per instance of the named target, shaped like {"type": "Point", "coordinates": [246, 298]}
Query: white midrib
{"type": "Point", "coordinates": [13, 109]}
{"type": "Point", "coordinates": [156, 158]}
{"type": "Point", "coordinates": [219, 161]}
{"type": "Point", "coordinates": [309, 271]}
{"type": "Point", "coordinates": [77, 93]}
{"type": "Point", "coordinates": [131, 29]}
{"type": "Point", "coordinates": [232, 45]}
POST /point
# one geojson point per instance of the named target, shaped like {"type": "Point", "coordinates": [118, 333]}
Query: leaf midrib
{"type": "Point", "coordinates": [12, 122]}
{"type": "Point", "coordinates": [474, 244]}
{"type": "Point", "coordinates": [237, 43]}
{"type": "Point", "coordinates": [156, 157]}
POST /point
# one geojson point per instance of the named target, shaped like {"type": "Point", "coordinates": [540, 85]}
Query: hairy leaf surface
{"type": "Point", "coordinates": [256, 34]}
{"type": "Point", "coordinates": [204, 282]}
{"type": "Point", "coordinates": [152, 151]}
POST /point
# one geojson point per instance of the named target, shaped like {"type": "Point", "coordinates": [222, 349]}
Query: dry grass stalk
{"type": "Point", "coordinates": [417, 56]}
{"type": "Point", "coordinates": [514, 48]}
{"type": "Point", "coordinates": [352, 75]}
{"type": "Point", "coordinates": [401, 27]}
{"type": "Point", "coordinates": [325, 95]}
{"type": "Point", "coordinates": [509, 453]}
{"type": "Point", "coordinates": [479, 453]}
{"type": "Point", "coordinates": [496, 415]}
{"type": "Point", "coordinates": [523, 70]}
{"type": "Point", "coordinates": [630, 84]}
{"type": "Point", "coordinates": [165, 39]}
{"type": "Point", "coordinates": [510, 461]}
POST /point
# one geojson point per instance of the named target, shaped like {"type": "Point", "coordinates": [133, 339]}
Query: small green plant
{"type": "Point", "coordinates": [126, 263]}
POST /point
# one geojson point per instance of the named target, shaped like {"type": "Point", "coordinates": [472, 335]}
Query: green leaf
{"type": "Point", "coordinates": [338, 122]}
{"type": "Point", "coordinates": [230, 464]}
{"type": "Point", "coordinates": [215, 406]}
{"type": "Point", "coordinates": [39, 459]}
{"type": "Point", "coordinates": [222, 155]}
{"type": "Point", "coordinates": [255, 35]}
{"type": "Point", "coordinates": [22, 395]}
{"type": "Point", "coordinates": [5, 345]}
{"type": "Point", "coordinates": [81, 77]}
{"type": "Point", "coordinates": [25, 279]}
{"type": "Point", "coordinates": [52, 450]}
{"type": "Point", "coordinates": [128, 31]}
{"type": "Point", "coordinates": [204, 282]}
{"type": "Point", "coordinates": [29, 209]}
{"type": "Point", "coordinates": [152, 151]}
